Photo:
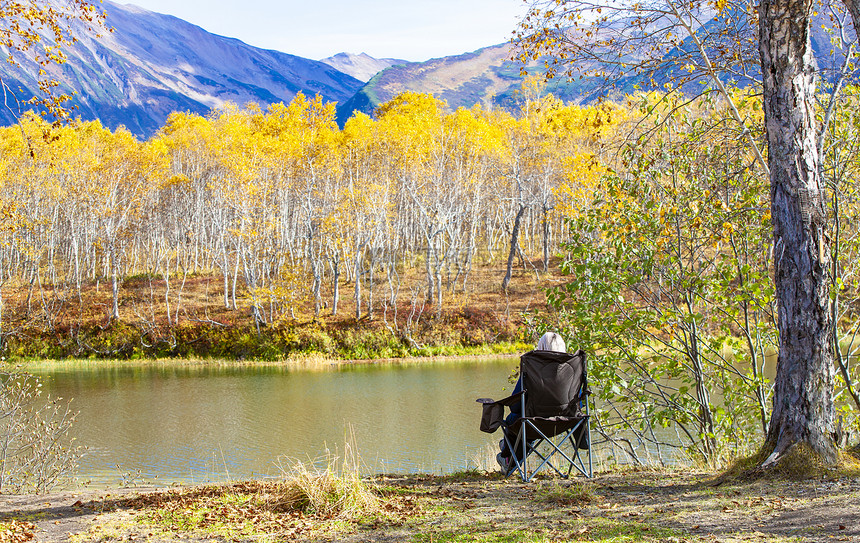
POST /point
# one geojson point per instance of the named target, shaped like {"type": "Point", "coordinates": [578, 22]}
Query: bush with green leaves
{"type": "Point", "coordinates": [668, 288]}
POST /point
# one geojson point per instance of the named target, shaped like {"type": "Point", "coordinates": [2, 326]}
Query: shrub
{"type": "Point", "coordinates": [36, 453]}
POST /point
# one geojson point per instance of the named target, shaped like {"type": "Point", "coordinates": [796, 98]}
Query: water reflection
{"type": "Point", "coordinates": [197, 424]}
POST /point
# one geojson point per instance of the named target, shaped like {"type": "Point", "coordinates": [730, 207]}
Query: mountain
{"type": "Point", "coordinates": [153, 64]}
{"type": "Point", "coordinates": [486, 76]}
{"type": "Point", "coordinates": [362, 67]}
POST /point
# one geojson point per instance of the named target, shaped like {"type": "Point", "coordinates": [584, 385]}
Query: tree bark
{"type": "Point", "coordinates": [335, 271]}
{"type": "Point", "coordinates": [546, 237]}
{"type": "Point", "coordinates": [803, 396]}
{"type": "Point", "coordinates": [114, 313]}
{"type": "Point", "coordinates": [428, 269]}
{"type": "Point", "coordinates": [358, 274]}
{"type": "Point", "coordinates": [854, 9]}
{"type": "Point", "coordinates": [515, 237]}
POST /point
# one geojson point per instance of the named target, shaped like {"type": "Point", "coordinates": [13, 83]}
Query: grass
{"type": "Point", "coordinates": [573, 492]}
{"type": "Point", "coordinates": [297, 362]}
{"type": "Point", "coordinates": [287, 344]}
{"type": "Point", "coordinates": [336, 490]}
{"type": "Point", "coordinates": [481, 534]}
{"type": "Point", "coordinates": [304, 504]}
{"type": "Point", "coordinates": [309, 498]}
{"type": "Point", "coordinates": [330, 502]}
{"type": "Point", "coordinates": [798, 463]}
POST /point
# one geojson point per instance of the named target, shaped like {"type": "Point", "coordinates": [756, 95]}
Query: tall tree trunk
{"type": "Point", "coordinates": [428, 269]}
{"type": "Point", "coordinates": [370, 284]}
{"type": "Point", "coordinates": [358, 275]}
{"type": "Point", "coordinates": [2, 327]}
{"type": "Point", "coordinates": [166, 276]}
{"type": "Point", "coordinates": [854, 9]}
{"type": "Point", "coordinates": [114, 314]}
{"type": "Point", "coordinates": [335, 272]}
{"type": "Point", "coordinates": [77, 273]}
{"type": "Point", "coordinates": [317, 284]}
{"type": "Point", "coordinates": [235, 280]}
{"type": "Point", "coordinates": [226, 271]}
{"type": "Point", "coordinates": [546, 238]}
{"type": "Point", "coordinates": [803, 395]}
{"type": "Point", "coordinates": [515, 242]}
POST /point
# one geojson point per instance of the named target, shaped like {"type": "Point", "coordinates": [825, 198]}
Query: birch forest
{"type": "Point", "coordinates": [287, 217]}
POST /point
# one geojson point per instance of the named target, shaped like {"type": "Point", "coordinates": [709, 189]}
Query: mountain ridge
{"type": "Point", "coordinates": [486, 76]}
{"type": "Point", "coordinates": [153, 64]}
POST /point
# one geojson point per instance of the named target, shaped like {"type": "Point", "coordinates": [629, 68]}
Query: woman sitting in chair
{"type": "Point", "coordinates": [550, 341]}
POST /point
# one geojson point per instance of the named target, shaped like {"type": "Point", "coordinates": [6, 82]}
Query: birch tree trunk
{"type": "Point", "coordinates": [803, 396]}
{"type": "Point", "coordinates": [114, 313]}
{"type": "Point", "coordinates": [854, 9]}
{"type": "Point", "coordinates": [335, 273]}
{"type": "Point", "coordinates": [515, 237]}
{"type": "Point", "coordinates": [358, 274]}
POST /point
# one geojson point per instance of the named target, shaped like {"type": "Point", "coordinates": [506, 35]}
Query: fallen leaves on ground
{"type": "Point", "coordinates": [252, 507]}
{"type": "Point", "coordinates": [16, 531]}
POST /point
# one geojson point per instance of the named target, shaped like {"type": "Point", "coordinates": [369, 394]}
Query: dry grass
{"type": "Point", "coordinates": [332, 486]}
{"type": "Point", "coordinates": [799, 463]}
{"type": "Point", "coordinates": [568, 493]}
{"type": "Point", "coordinates": [310, 498]}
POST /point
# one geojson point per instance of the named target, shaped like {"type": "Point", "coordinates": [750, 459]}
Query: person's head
{"type": "Point", "coordinates": [551, 342]}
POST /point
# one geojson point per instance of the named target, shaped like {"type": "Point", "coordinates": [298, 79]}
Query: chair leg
{"type": "Point", "coordinates": [546, 459]}
{"type": "Point", "coordinates": [520, 465]}
{"type": "Point", "coordinates": [525, 457]}
{"type": "Point", "coordinates": [574, 458]}
{"type": "Point", "coordinates": [575, 462]}
{"type": "Point", "coordinates": [588, 433]}
{"type": "Point", "coordinates": [580, 463]}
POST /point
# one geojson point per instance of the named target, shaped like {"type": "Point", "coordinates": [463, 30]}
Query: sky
{"type": "Point", "coordinates": [412, 30]}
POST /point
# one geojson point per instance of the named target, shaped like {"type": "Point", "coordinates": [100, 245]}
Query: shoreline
{"type": "Point", "coordinates": [303, 363]}
{"type": "Point", "coordinates": [647, 505]}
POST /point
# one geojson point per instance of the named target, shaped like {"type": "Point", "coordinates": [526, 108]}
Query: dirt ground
{"type": "Point", "coordinates": [620, 506]}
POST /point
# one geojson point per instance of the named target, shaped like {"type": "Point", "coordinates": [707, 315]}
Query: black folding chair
{"type": "Point", "coordinates": [554, 425]}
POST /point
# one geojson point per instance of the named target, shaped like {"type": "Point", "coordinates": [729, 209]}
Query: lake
{"type": "Point", "coordinates": [166, 423]}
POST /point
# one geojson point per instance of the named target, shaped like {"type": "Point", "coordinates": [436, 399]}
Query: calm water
{"type": "Point", "coordinates": [198, 424]}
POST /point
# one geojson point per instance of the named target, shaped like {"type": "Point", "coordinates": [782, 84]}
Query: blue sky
{"type": "Point", "coordinates": [405, 29]}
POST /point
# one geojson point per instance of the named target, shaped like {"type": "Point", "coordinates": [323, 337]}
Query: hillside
{"type": "Point", "coordinates": [487, 76]}
{"type": "Point", "coordinates": [153, 64]}
{"type": "Point", "coordinates": [481, 321]}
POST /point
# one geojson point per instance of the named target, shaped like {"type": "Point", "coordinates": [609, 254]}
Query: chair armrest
{"type": "Point", "coordinates": [510, 400]}
{"type": "Point", "coordinates": [493, 414]}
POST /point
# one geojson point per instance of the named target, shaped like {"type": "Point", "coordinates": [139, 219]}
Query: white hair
{"type": "Point", "coordinates": [551, 341]}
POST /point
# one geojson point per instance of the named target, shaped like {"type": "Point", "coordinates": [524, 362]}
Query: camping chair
{"type": "Point", "coordinates": [554, 405]}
